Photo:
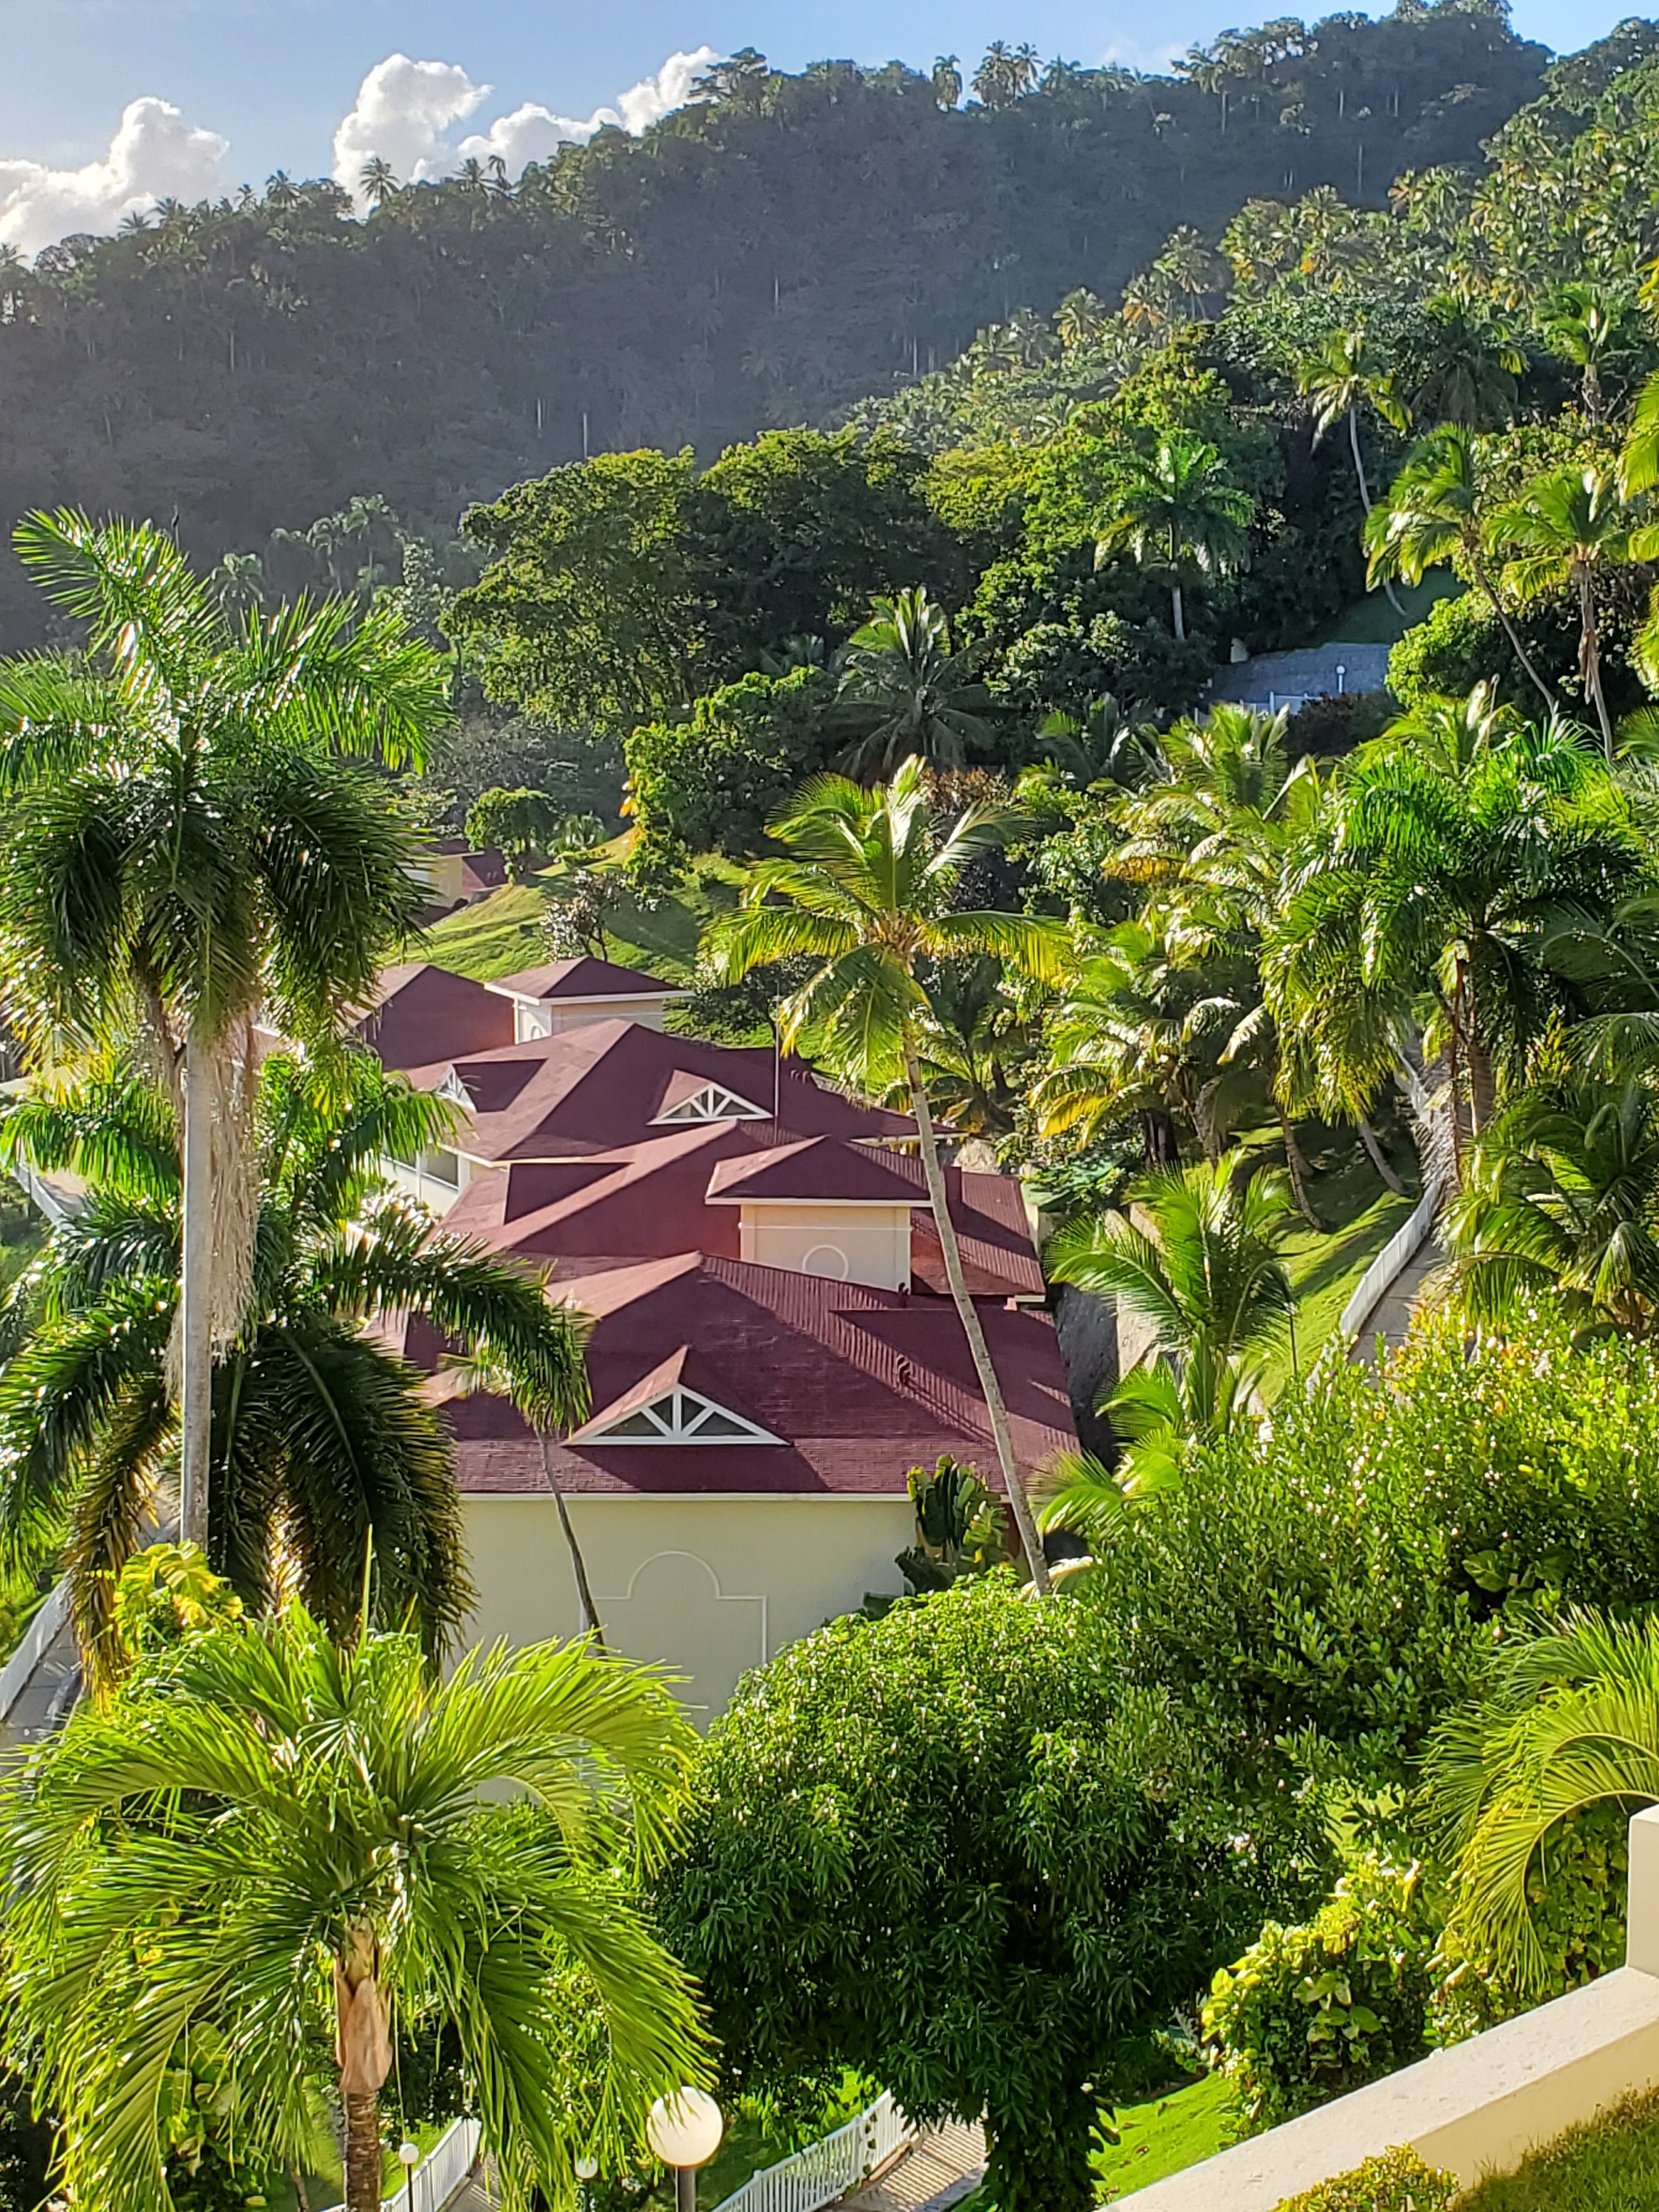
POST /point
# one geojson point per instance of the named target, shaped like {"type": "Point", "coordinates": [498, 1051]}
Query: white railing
{"type": "Point", "coordinates": [441, 2174]}
{"type": "Point", "coordinates": [1401, 1248]}
{"type": "Point", "coordinates": [15, 1675]}
{"type": "Point", "coordinates": [824, 2171]}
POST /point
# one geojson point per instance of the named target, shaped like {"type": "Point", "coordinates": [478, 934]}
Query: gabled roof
{"type": "Point", "coordinates": [582, 978]}
{"type": "Point", "coordinates": [817, 1170]}
{"type": "Point", "coordinates": [602, 1085]}
{"type": "Point", "coordinates": [665, 1408]}
{"type": "Point", "coordinates": [416, 1003]}
{"type": "Point", "coordinates": [860, 1384]}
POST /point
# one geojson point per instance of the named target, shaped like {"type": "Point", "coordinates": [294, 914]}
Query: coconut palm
{"type": "Point", "coordinates": [1340, 379]}
{"type": "Point", "coordinates": [302, 1851]}
{"type": "Point", "coordinates": [1569, 1721]}
{"type": "Point", "coordinates": [864, 890]}
{"type": "Point", "coordinates": [1196, 1260]}
{"type": "Point", "coordinates": [946, 80]}
{"type": "Point", "coordinates": [1566, 529]}
{"type": "Point", "coordinates": [1561, 1199]}
{"type": "Point", "coordinates": [1172, 505]}
{"type": "Point", "coordinates": [377, 180]}
{"type": "Point", "coordinates": [184, 843]}
{"type": "Point", "coordinates": [907, 693]}
{"type": "Point", "coordinates": [321, 1443]}
{"type": "Point", "coordinates": [1432, 515]}
{"type": "Point", "coordinates": [1469, 380]}
{"type": "Point", "coordinates": [1594, 330]}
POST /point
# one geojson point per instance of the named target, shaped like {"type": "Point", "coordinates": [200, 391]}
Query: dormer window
{"type": "Point", "coordinates": [679, 1416]}
{"type": "Point", "coordinates": [713, 1102]}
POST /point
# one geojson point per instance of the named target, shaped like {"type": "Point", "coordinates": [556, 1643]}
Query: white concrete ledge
{"type": "Point", "coordinates": [1478, 2108]}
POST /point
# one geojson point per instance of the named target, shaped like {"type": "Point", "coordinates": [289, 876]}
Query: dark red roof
{"type": "Point", "coordinates": [603, 1085]}
{"type": "Point", "coordinates": [815, 1169]}
{"type": "Point", "coordinates": [583, 978]}
{"type": "Point", "coordinates": [485, 871]}
{"type": "Point", "coordinates": [418, 1004]}
{"type": "Point", "coordinates": [862, 1383]}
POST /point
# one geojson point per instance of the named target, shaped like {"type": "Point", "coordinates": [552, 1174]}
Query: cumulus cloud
{"type": "Point", "coordinates": [154, 155]}
{"type": "Point", "coordinates": [404, 109]}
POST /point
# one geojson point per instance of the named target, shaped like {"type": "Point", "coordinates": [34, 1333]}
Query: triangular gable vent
{"type": "Point", "coordinates": [680, 1417]}
{"type": "Point", "coordinates": [714, 1102]}
{"type": "Point", "coordinates": [455, 1090]}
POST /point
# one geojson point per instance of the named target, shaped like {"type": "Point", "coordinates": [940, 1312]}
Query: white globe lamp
{"type": "Point", "coordinates": [685, 2132]}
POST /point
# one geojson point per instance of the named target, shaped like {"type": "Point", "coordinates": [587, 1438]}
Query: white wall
{"type": "Point", "coordinates": [708, 1586]}
{"type": "Point", "coordinates": [848, 1244]}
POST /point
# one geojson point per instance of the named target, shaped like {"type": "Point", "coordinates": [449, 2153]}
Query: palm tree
{"type": "Point", "coordinates": [1473, 363]}
{"type": "Point", "coordinates": [377, 180]}
{"type": "Point", "coordinates": [1420, 882]}
{"type": "Point", "coordinates": [905, 691]}
{"type": "Point", "coordinates": [864, 891]}
{"type": "Point", "coordinates": [238, 584]}
{"type": "Point", "coordinates": [1567, 528]}
{"type": "Point", "coordinates": [1173, 506]}
{"type": "Point", "coordinates": [1432, 514]}
{"type": "Point", "coordinates": [1562, 1198]}
{"type": "Point", "coordinates": [321, 1441]}
{"type": "Point", "coordinates": [1592, 329]}
{"type": "Point", "coordinates": [184, 842]}
{"type": "Point", "coordinates": [1197, 1260]}
{"type": "Point", "coordinates": [1569, 1721]}
{"type": "Point", "coordinates": [1006, 75]}
{"type": "Point", "coordinates": [946, 80]}
{"type": "Point", "coordinates": [304, 1850]}
{"type": "Point", "coordinates": [1340, 379]}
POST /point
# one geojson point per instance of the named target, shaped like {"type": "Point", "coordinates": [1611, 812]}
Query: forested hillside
{"type": "Point", "coordinates": [772, 253]}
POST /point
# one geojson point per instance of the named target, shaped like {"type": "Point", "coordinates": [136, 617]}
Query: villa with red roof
{"type": "Point", "coordinates": [772, 1345]}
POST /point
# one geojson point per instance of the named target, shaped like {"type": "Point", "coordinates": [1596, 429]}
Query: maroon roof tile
{"type": "Point", "coordinates": [817, 1169]}
{"type": "Point", "coordinates": [417, 1004]}
{"type": "Point", "coordinates": [583, 978]}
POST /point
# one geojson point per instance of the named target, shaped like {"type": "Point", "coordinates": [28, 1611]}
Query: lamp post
{"type": "Point", "coordinates": [409, 2157]}
{"type": "Point", "coordinates": [685, 2132]}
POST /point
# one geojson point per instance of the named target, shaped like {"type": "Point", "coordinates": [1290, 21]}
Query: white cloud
{"type": "Point", "coordinates": [405, 108]}
{"type": "Point", "coordinates": [402, 110]}
{"type": "Point", "coordinates": [154, 155]}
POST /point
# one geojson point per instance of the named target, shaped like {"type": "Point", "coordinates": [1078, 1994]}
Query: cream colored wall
{"type": "Point", "coordinates": [442, 873]}
{"type": "Point", "coordinates": [872, 1241]}
{"type": "Point", "coordinates": [708, 1586]}
{"type": "Point", "coordinates": [577, 1013]}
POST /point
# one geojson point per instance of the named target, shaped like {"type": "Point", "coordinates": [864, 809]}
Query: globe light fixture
{"type": "Point", "coordinates": [685, 2132]}
{"type": "Point", "coordinates": [409, 2157]}
{"type": "Point", "coordinates": [587, 2169]}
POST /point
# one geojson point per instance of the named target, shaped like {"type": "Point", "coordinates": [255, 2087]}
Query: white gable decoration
{"type": "Point", "coordinates": [681, 1416]}
{"type": "Point", "coordinates": [454, 1090]}
{"type": "Point", "coordinates": [714, 1102]}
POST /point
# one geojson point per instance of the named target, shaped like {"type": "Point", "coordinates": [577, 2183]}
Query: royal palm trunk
{"type": "Point", "coordinates": [196, 1298]}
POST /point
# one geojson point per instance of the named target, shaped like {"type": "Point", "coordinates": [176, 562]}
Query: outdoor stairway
{"type": "Point", "coordinates": [942, 2166]}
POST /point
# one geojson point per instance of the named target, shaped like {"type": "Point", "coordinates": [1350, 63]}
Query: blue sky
{"type": "Point", "coordinates": [275, 78]}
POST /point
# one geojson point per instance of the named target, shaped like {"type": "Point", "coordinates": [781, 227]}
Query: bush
{"type": "Point", "coordinates": [1309, 2012]}
{"type": "Point", "coordinates": [1398, 2183]}
{"type": "Point", "coordinates": [1317, 1595]}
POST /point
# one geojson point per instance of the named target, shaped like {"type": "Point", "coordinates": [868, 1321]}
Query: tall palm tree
{"type": "Point", "coordinates": [184, 840]}
{"type": "Point", "coordinates": [1424, 884]}
{"type": "Point", "coordinates": [1432, 514]}
{"type": "Point", "coordinates": [1568, 1722]}
{"type": "Point", "coordinates": [1562, 1198]}
{"type": "Point", "coordinates": [1567, 528]}
{"type": "Point", "coordinates": [907, 693]}
{"type": "Point", "coordinates": [1197, 1258]}
{"type": "Point", "coordinates": [864, 890]}
{"type": "Point", "coordinates": [304, 1850]}
{"type": "Point", "coordinates": [321, 1442]}
{"type": "Point", "coordinates": [946, 80]}
{"type": "Point", "coordinates": [1595, 329]}
{"type": "Point", "coordinates": [1469, 381]}
{"type": "Point", "coordinates": [1340, 379]}
{"type": "Point", "coordinates": [377, 180]}
{"type": "Point", "coordinates": [1173, 506]}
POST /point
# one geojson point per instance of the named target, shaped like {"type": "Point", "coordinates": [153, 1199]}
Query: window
{"type": "Point", "coordinates": [714, 1102]}
{"type": "Point", "coordinates": [680, 1417]}
{"type": "Point", "coordinates": [440, 1166]}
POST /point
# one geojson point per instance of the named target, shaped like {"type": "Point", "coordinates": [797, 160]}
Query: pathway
{"type": "Point", "coordinates": [1390, 1316]}
{"type": "Point", "coordinates": [940, 2168]}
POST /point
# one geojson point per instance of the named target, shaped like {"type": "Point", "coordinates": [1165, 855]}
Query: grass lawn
{"type": "Point", "coordinates": [1611, 2166]}
{"type": "Point", "coordinates": [1372, 621]}
{"type": "Point", "coordinates": [503, 932]}
{"type": "Point", "coordinates": [1165, 2136]}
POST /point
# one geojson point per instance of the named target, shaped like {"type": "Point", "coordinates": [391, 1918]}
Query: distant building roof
{"type": "Point", "coordinates": [416, 1004]}
{"type": "Point", "coordinates": [860, 1384]}
{"type": "Point", "coordinates": [1286, 679]}
{"type": "Point", "coordinates": [816, 1169]}
{"type": "Point", "coordinates": [582, 978]}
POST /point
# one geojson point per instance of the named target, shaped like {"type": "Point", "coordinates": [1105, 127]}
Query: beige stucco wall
{"type": "Point", "coordinates": [708, 1586]}
{"type": "Point", "coordinates": [848, 1244]}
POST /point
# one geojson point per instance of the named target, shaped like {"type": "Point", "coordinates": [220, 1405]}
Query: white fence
{"type": "Point", "coordinates": [19, 1669]}
{"type": "Point", "coordinates": [824, 2171]}
{"type": "Point", "coordinates": [1401, 1248]}
{"type": "Point", "coordinates": [441, 2173]}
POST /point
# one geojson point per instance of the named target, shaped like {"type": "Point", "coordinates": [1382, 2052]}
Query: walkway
{"type": "Point", "coordinates": [940, 2168]}
{"type": "Point", "coordinates": [1390, 1317]}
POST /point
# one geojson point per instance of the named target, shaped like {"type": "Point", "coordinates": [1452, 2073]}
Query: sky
{"type": "Point", "coordinates": [108, 105]}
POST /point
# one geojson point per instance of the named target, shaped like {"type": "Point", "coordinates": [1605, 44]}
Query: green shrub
{"type": "Point", "coordinates": [1309, 2012]}
{"type": "Point", "coordinates": [1398, 2183]}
